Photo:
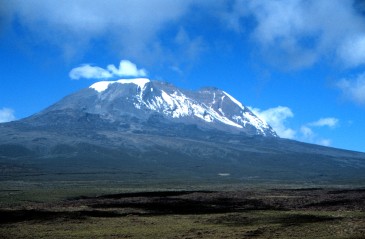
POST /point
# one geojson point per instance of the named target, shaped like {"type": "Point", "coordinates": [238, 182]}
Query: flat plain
{"type": "Point", "coordinates": [77, 210]}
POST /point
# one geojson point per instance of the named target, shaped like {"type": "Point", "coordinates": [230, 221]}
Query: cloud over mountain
{"type": "Point", "coordinates": [71, 25]}
{"type": "Point", "coordinates": [303, 32]}
{"type": "Point", "coordinates": [125, 69]}
{"type": "Point", "coordinates": [277, 118]}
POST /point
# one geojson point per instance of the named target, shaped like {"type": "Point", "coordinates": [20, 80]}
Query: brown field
{"type": "Point", "coordinates": [249, 213]}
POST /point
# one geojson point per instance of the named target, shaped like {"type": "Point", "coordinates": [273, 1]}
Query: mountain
{"type": "Point", "coordinates": [142, 99]}
{"type": "Point", "coordinates": [137, 130]}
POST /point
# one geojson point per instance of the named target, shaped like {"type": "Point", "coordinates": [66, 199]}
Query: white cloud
{"type": "Point", "coordinates": [89, 72]}
{"type": "Point", "coordinates": [126, 68]}
{"type": "Point", "coordinates": [6, 115]}
{"type": "Point", "coordinates": [300, 32]}
{"type": "Point", "coordinates": [308, 135]}
{"type": "Point", "coordinates": [329, 122]}
{"type": "Point", "coordinates": [352, 51]}
{"type": "Point", "coordinates": [131, 26]}
{"type": "Point", "coordinates": [353, 89]}
{"type": "Point", "coordinates": [294, 33]}
{"type": "Point", "coordinates": [306, 132]}
{"type": "Point", "coordinates": [277, 117]}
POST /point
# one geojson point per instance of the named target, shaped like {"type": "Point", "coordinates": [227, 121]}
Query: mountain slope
{"type": "Point", "coordinates": [137, 130]}
{"type": "Point", "coordinates": [141, 98]}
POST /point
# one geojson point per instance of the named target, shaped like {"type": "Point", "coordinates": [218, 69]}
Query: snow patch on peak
{"type": "Point", "coordinates": [103, 85]}
{"type": "Point", "coordinates": [179, 105]}
{"type": "Point", "coordinates": [234, 100]}
{"type": "Point", "coordinates": [171, 102]}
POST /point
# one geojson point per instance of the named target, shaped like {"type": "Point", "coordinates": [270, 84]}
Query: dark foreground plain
{"type": "Point", "coordinates": [44, 211]}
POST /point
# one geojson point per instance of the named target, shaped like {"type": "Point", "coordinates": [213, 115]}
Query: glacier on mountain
{"type": "Point", "coordinates": [205, 105]}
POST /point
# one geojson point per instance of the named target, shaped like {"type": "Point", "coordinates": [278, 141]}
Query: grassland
{"type": "Point", "coordinates": [252, 224]}
{"type": "Point", "coordinates": [82, 211]}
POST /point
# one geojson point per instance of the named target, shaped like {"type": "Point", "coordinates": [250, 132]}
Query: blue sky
{"type": "Point", "coordinates": [300, 65]}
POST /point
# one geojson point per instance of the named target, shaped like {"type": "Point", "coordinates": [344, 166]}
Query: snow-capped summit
{"type": "Point", "coordinates": [103, 85]}
{"type": "Point", "coordinates": [208, 108]}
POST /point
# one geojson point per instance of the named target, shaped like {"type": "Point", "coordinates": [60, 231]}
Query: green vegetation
{"type": "Point", "coordinates": [257, 224]}
{"type": "Point", "coordinates": [136, 213]}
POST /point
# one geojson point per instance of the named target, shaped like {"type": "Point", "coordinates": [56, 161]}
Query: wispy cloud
{"type": "Point", "coordinates": [306, 132]}
{"type": "Point", "coordinates": [190, 48]}
{"type": "Point", "coordinates": [309, 135]}
{"type": "Point", "coordinates": [277, 118]}
{"type": "Point", "coordinates": [130, 25]}
{"type": "Point", "coordinates": [295, 34]}
{"type": "Point", "coordinates": [125, 69]}
{"type": "Point", "coordinates": [352, 50]}
{"type": "Point", "coordinates": [329, 122]}
{"type": "Point", "coordinates": [89, 72]}
{"type": "Point", "coordinates": [301, 32]}
{"type": "Point", "coordinates": [353, 88]}
{"type": "Point", "coordinates": [6, 115]}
